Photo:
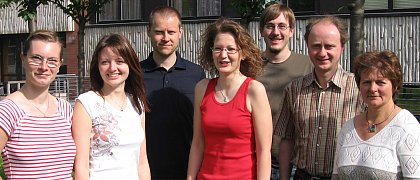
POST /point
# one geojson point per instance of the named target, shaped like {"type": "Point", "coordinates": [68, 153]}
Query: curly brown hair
{"type": "Point", "coordinates": [386, 62]}
{"type": "Point", "coordinates": [251, 65]}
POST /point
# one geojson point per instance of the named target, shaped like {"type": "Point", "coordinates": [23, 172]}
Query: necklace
{"type": "Point", "coordinates": [123, 103]}
{"type": "Point", "coordinates": [372, 127]}
{"type": "Point", "coordinates": [225, 99]}
{"type": "Point", "coordinates": [33, 105]}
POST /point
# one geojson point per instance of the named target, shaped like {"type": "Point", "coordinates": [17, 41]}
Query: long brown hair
{"type": "Point", "coordinates": [134, 84]}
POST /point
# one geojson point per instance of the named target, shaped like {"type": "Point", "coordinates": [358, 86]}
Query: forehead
{"type": "Point", "coordinates": [161, 21]}
{"type": "Point", "coordinates": [372, 73]}
{"type": "Point", "coordinates": [279, 19]}
{"type": "Point", "coordinates": [324, 31]}
{"type": "Point", "coordinates": [45, 47]}
{"type": "Point", "coordinates": [224, 39]}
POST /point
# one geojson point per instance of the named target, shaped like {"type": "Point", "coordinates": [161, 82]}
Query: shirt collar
{"type": "Point", "coordinates": [150, 64]}
{"type": "Point", "coordinates": [336, 79]}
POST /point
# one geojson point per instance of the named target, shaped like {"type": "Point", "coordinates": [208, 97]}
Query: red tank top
{"type": "Point", "coordinates": [228, 135]}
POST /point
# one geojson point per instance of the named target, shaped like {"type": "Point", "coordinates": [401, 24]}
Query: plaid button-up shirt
{"type": "Point", "coordinates": [313, 116]}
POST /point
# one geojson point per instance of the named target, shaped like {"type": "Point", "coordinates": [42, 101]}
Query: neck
{"type": "Point", "coordinates": [277, 57]}
{"type": "Point", "coordinates": [164, 61]}
{"type": "Point", "coordinates": [323, 77]}
{"type": "Point", "coordinates": [377, 115]}
{"type": "Point", "coordinates": [35, 94]}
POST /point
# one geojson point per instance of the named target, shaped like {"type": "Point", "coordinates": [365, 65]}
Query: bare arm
{"type": "Point", "coordinates": [143, 169]}
{"type": "Point", "coordinates": [81, 127]}
{"type": "Point", "coordinates": [261, 115]}
{"type": "Point", "coordinates": [197, 146]}
{"type": "Point", "coordinates": [285, 156]}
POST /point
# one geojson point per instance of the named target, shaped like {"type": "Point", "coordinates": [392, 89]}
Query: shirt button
{"type": "Point", "coordinates": [316, 162]}
{"type": "Point", "coordinates": [317, 145]}
{"type": "Point", "coordinates": [319, 127]}
{"type": "Point", "coordinates": [166, 82]}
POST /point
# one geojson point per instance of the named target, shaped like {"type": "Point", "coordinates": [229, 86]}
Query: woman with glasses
{"type": "Point", "coordinates": [109, 121]}
{"type": "Point", "coordinates": [232, 119]}
{"type": "Point", "coordinates": [35, 127]}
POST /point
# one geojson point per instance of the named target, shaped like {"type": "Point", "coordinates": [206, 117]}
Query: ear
{"type": "Point", "coordinates": [148, 31]}
{"type": "Point", "coordinates": [181, 30]}
{"type": "Point", "coordinates": [22, 57]}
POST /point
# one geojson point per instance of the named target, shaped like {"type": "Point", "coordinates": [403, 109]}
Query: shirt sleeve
{"type": "Point", "coordinates": [8, 116]}
{"type": "Point", "coordinates": [408, 150]}
{"type": "Point", "coordinates": [285, 125]}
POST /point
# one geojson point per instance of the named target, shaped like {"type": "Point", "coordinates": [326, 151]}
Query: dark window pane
{"type": "Point", "coordinates": [111, 11]}
{"type": "Point", "coordinates": [131, 10]}
{"type": "Point", "coordinates": [301, 5]}
{"type": "Point", "coordinates": [209, 8]}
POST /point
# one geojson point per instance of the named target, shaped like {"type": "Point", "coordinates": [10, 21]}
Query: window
{"type": "Point", "coordinates": [185, 7]}
{"type": "Point", "coordinates": [393, 4]}
{"type": "Point", "coordinates": [121, 10]}
{"type": "Point", "coordinates": [209, 8]}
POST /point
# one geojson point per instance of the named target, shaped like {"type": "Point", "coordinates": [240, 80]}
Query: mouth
{"type": "Point", "coordinates": [224, 63]}
{"type": "Point", "coordinates": [113, 75]}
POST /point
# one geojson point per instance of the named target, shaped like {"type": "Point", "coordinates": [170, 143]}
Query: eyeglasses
{"type": "Point", "coordinates": [228, 50]}
{"type": "Point", "coordinates": [37, 60]}
{"type": "Point", "coordinates": [281, 27]}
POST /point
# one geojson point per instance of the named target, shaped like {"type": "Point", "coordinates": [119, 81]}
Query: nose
{"type": "Point", "coordinates": [322, 52]}
{"type": "Point", "coordinates": [165, 36]}
{"type": "Point", "coordinates": [373, 87]}
{"type": "Point", "coordinates": [43, 65]}
{"type": "Point", "coordinates": [276, 30]}
{"type": "Point", "coordinates": [112, 66]}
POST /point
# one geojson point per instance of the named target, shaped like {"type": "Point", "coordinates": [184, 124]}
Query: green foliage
{"type": "Point", "coordinates": [249, 9]}
{"type": "Point", "coordinates": [26, 8]}
{"type": "Point", "coordinates": [81, 10]}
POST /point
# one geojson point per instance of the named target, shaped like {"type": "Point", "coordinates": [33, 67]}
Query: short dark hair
{"type": "Point", "coordinates": [338, 22]}
{"type": "Point", "coordinates": [134, 84]}
{"type": "Point", "coordinates": [166, 11]}
{"type": "Point", "coordinates": [386, 62]}
{"type": "Point", "coordinates": [273, 11]}
{"type": "Point", "coordinates": [42, 35]}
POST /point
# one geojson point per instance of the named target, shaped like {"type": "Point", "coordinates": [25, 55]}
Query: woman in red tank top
{"type": "Point", "coordinates": [232, 119]}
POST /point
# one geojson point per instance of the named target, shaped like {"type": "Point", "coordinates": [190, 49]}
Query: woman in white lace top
{"type": "Point", "coordinates": [384, 141]}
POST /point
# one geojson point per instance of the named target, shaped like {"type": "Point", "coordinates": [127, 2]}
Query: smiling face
{"type": "Point", "coordinates": [376, 89]}
{"type": "Point", "coordinates": [165, 34]}
{"type": "Point", "coordinates": [41, 75]}
{"type": "Point", "coordinates": [226, 53]}
{"type": "Point", "coordinates": [324, 47]}
{"type": "Point", "coordinates": [275, 36]}
{"type": "Point", "coordinates": [112, 68]}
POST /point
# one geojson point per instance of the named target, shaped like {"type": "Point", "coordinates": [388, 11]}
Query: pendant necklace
{"type": "Point", "coordinates": [225, 99]}
{"type": "Point", "coordinates": [33, 105]}
{"type": "Point", "coordinates": [372, 127]}
{"type": "Point", "coordinates": [122, 105]}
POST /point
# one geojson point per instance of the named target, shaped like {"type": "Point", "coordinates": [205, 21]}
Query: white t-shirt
{"type": "Point", "coordinates": [115, 138]}
{"type": "Point", "coordinates": [393, 153]}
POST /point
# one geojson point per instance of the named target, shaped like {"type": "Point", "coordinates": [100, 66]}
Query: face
{"type": "Point", "coordinates": [113, 68]}
{"type": "Point", "coordinates": [226, 53]}
{"type": "Point", "coordinates": [42, 62]}
{"type": "Point", "coordinates": [165, 34]}
{"type": "Point", "coordinates": [276, 34]}
{"type": "Point", "coordinates": [376, 90]}
{"type": "Point", "coordinates": [324, 47]}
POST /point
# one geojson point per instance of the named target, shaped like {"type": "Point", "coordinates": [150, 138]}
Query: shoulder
{"type": "Point", "coordinates": [202, 84]}
{"type": "Point", "coordinates": [256, 88]}
{"type": "Point", "coordinates": [299, 56]}
{"type": "Point", "coordinates": [191, 65]}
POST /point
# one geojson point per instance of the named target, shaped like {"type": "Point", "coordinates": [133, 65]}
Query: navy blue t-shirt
{"type": "Point", "coordinates": [169, 124]}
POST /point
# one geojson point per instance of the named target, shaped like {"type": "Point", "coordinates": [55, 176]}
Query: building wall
{"type": "Point", "coordinates": [48, 17]}
{"type": "Point", "coordinates": [399, 34]}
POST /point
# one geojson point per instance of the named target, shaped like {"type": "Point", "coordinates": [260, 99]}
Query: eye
{"type": "Point", "coordinates": [36, 58]}
{"type": "Point", "coordinates": [269, 26]}
{"type": "Point", "coordinates": [103, 62]}
{"type": "Point", "coordinates": [120, 61]}
{"type": "Point", "coordinates": [217, 49]}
